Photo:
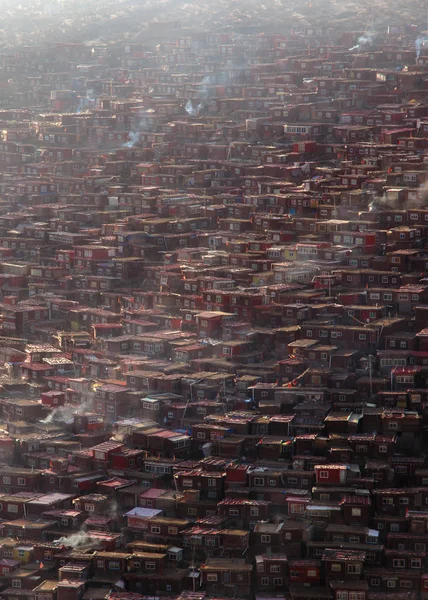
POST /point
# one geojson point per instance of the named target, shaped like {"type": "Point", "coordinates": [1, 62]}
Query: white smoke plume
{"type": "Point", "coordinates": [189, 108]}
{"type": "Point", "coordinates": [86, 103]}
{"type": "Point", "coordinates": [133, 139]}
{"type": "Point", "coordinates": [65, 414]}
{"type": "Point", "coordinates": [143, 124]}
{"type": "Point", "coordinates": [419, 43]}
{"type": "Point", "coordinates": [366, 38]}
{"type": "Point", "coordinates": [119, 437]}
{"type": "Point", "coordinates": [421, 197]}
{"type": "Point", "coordinates": [62, 414]}
{"type": "Point", "coordinates": [203, 90]}
{"type": "Point", "coordinates": [112, 510]}
{"type": "Point", "coordinates": [77, 540]}
{"type": "Point", "coordinates": [418, 199]}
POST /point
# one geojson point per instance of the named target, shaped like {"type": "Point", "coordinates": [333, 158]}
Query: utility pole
{"type": "Point", "coordinates": [193, 565]}
{"type": "Point", "coordinates": [370, 376]}
{"type": "Point", "coordinates": [190, 400]}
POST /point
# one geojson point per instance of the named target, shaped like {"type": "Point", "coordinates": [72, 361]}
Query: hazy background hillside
{"type": "Point", "coordinates": [32, 22]}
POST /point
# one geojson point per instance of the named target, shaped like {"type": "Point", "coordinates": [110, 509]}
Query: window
{"type": "Point", "coordinates": [342, 595]}
{"type": "Point", "coordinates": [254, 511]}
{"type": "Point", "coordinates": [16, 583]}
{"type": "Point", "coordinates": [391, 583]}
{"type": "Point", "coordinates": [233, 512]}
{"type": "Point", "coordinates": [352, 568]}
{"type": "Point", "coordinates": [6, 480]}
{"type": "Point", "coordinates": [399, 563]}
{"type": "Point", "coordinates": [265, 581]}
{"type": "Point", "coordinates": [403, 500]}
{"type": "Point", "coordinates": [259, 481]}
{"type": "Point", "coordinates": [12, 508]}
{"type": "Point", "coordinates": [375, 582]}
{"type": "Point", "coordinates": [297, 509]}
{"type": "Point", "coordinates": [323, 474]}
{"type": "Point", "coordinates": [155, 529]}
{"type": "Point", "coordinates": [265, 539]}
{"type": "Point", "coordinates": [150, 566]}
{"type": "Point", "coordinates": [114, 565]}
{"type": "Point", "coordinates": [192, 512]}
{"type": "Point", "coordinates": [21, 481]}
{"type": "Point", "coordinates": [336, 567]}
{"type": "Point", "coordinates": [277, 581]}
{"type": "Point", "coordinates": [212, 577]}
{"type": "Point", "coordinates": [406, 583]}
{"type": "Point", "coordinates": [394, 527]}
{"type": "Point", "coordinates": [415, 563]}
{"type": "Point", "coordinates": [387, 501]}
